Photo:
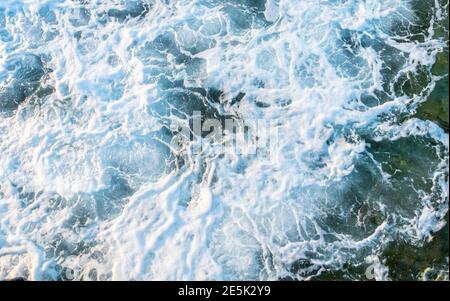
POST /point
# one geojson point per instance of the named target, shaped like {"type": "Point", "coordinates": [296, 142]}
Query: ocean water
{"type": "Point", "coordinates": [93, 94]}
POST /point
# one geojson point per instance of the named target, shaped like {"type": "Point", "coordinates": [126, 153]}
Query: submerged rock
{"type": "Point", "coordinates": [21, 80]}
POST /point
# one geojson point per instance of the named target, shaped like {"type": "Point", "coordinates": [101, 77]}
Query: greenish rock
{"type": "Point", "coordinates": [409, 262]}
{"type": "Point", "coordinates": [435, 108]}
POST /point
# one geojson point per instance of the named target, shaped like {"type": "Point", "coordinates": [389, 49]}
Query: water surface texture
{"type": "Point", "coordinates": [355, 186]}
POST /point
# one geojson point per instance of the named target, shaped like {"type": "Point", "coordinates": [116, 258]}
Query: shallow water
{"type": "Point", "coordinates": [352, 185]}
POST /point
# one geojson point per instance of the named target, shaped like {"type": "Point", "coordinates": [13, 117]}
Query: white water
{"type": "Point", "coordinates": [89, 189]}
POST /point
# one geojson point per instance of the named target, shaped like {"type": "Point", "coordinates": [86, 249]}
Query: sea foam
{"type": "Point", "coordinates": [91, 188]}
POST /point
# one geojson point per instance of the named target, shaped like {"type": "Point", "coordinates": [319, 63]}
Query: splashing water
{"type": "Point", "coordinates": [91, 188]}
